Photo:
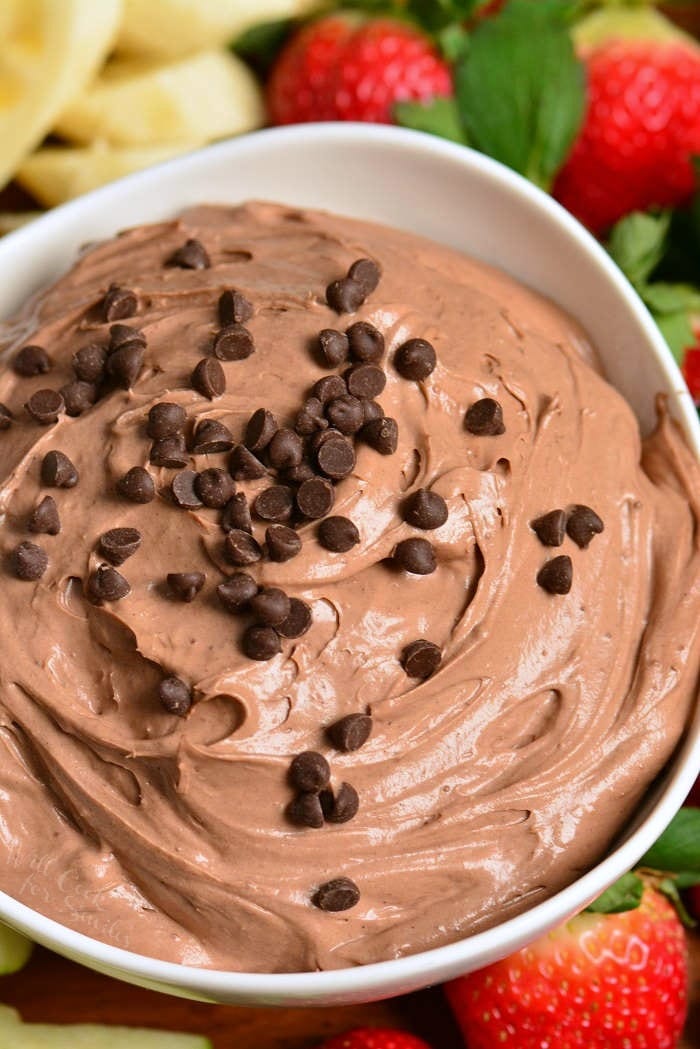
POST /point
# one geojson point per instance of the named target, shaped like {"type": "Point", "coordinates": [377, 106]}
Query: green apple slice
{"type": "Point", "coordinates": [17, 1035]}
{"type": "Point", "coordinates": [14, 950]}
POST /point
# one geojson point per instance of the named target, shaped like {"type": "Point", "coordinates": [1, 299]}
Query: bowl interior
{"type": "Point", "coordinates": [470, 203]}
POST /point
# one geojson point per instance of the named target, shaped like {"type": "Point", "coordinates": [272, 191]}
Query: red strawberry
{"type": "Point", "coordinates": [603, 981]}
{"type": "Point", "coordinates": [642, 123]}
{"type": "Point", "coordinates": [374, 1038]}
{"type": "Point", "coordinates": [300, 74]}
{"type": "Point", "coordinates": [691, 374]}
{"type": "Point", "coordinates": [344, 68]}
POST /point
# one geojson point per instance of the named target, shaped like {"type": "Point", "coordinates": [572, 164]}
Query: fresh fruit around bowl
{"type": "Point", "coordinates": [374, 1038]}
{"type": "Point", "coordinates": [49, 53]}
{"type": "Point", "coordinates": [347, 68]}
{"type": "Point", "coordinates": [642, 124]}
{"type": "Point", "coordinates": [612, 981]}
{"type": "Point", "coordinates": [15, 950]}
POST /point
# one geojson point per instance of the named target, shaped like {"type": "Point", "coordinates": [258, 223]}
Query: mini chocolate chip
{"type": "Point", "coordinates": [421, 658]}
{"type": "Point", "coordinates": [184, 489]}
{"type": "Point", "coordinates": [425, 509]}
{"type": "Point", "coordinates": [275, 503]}
{"type": "Point", "coordinates": [381, 434]}
{"type": "Point", "coordinates": [166, 419]}
{"type": "Point", "coordinates": [270, 606]}
{"type": "Point", "coordinates": [365, 380]}
{"type": "Point", "coordinates": [78, 396]}
{"type": "Point", "coordinates": [345, 414]}
{"type": "Point", "coordinates": [125, 335]}
{"type": "Point", "coordinates": [234, 308]}
{"type": "Point", "coordinates": [338, 534]}
{"type": "Point", "coordinates": [214, 487]}
{"type": "Point", "coordinates": [309, 771]}
{"type": "Point", "coordinates": [125, 364]}
{"type": "Point", "coordinates": [366, 342]}
{"type": "Point", "coordinates": [329, 387]}
{"type": "Point", "coordinates": [334, 347]}
{"type": "Point", "coordinates": [310, 418]}
{"type": "Point", "coordinates": [261, 643]}
{"type": "Point", "coordinates": [416, 556]}
{"type": "Point", "coordinates": [297, 622]}
{"type": "Point", "coordinates": [6, 417]}
{"type": "Point", "coordinates": [31, 360]}
{"type": "Point", "coordinates": [339, 894]}
{"type": "Point", "coordinates": [106, 584]}
{"type": "Point", "coordinates": [236, 591]}
{"type": "Point", "coordinates": [191, 256]}
{"type": "Point", "coordinates": [305, 811]}
{"type": "Point", "coordinates": [283, 543]}
{"type": "Point", "coordinates": [372, 409]}
{"type": "Point", "coordinates": [208, 378]}
{"type": "Point", "coordinates": [556, 575]}
{"type": "Point", "coordinates": [89, 362]}
{"type": "Point", "coordinates": [137, 485]}
{"type": "Point", "coordinates": [345, 295]}
{"type": "Point", "coordinates": [45, 406]}
{"type": "Point", "coordinates": [233, 343]}
{"type": "Point", "coordinates": [260, 430]}
{"type": "Point", "coordinates": [550, 528]}
{"type": "Point", "coordinates": [57, 471]}
{"type": "Point", "coordinates": [298, 474]}
{"type": "Point", "coordinates": [175, 696]}
{"type": "Point", "coordinates": [211, 436]}
{"type": "Point", "coordinates": [119, 303]}
{"type": "Point", "coordinates": [244, 466]}
{"type": "Point", "coordinates": [118, 544]}
{"type": "Point", "coordinates": [44, 518]}
{"type": "Point", "coordinates": [285, 449]}
{"type": "Point", "coordinates": [236, 515]}
{"type": "Point", "coordinates": [29, 562]}
{"type": "Point", "coordinates": [240, 549]}
{"type": "Point", "coordinates": [170, 452]}
{"type": "Point", "coordinates": [350, 733]}
{"type": "Point", "coordinates": [485, 418]}
{"type": "Point", "coordinates": [366, 273]}
{"type": "Point", "coordinates": [315, 498]}
{"type": "Point", "coordinates": [184, 586]}
{"type": "Point", "coordinates": [341, 806]}
{"type": "Point", "coordinates": [336, 457]}
{"type": "Point", "coordinates": [415, 360]}
{"type": "Point", "coordinates": [582, 524]}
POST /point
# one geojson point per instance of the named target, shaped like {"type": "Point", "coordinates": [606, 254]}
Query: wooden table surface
{"type": "Point", "coordinates": [53, 990]}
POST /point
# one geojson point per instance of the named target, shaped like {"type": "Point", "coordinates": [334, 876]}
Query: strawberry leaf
{"type": "Point", "coordinates": [520, 88]}
{"type": "Point", "coordinates": [669, 887]}
{"type": "Point", "coordinates": [439, 117]}
{"type": "Point", "coordinates": [678, 848]}
{"type": "Point", "coordinates": [624, 895]}
{"type": "Point", "coordinates": [677, 330]}
{"type": "Point", "coordinates": [637, 243]}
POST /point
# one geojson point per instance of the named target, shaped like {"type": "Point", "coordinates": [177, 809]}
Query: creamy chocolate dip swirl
{"type": "Point", "coordinates": [483, 788]}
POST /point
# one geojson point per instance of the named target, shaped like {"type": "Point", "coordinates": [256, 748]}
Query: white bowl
{"type": "Point", "coordinates": [459, 198]}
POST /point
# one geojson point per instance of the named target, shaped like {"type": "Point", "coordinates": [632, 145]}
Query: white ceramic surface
{"type": "Point", "coordinates": [459, 198]}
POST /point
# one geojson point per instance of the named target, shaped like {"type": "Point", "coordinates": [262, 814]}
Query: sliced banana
{"type": "Point", "coordinates": [141, 102]}
{"type": "Point", "coordinates": [178, 27]}
{"type": "Point", "coordinates": [49, 51]}
{"type": "Point", "coordinates": [56, 174]}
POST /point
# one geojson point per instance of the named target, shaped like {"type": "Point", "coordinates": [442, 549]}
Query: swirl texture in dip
{"type": "Point", "coordinates": [482, 789]}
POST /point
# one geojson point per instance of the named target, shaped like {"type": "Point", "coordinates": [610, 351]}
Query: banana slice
{"type": "Point", "coordinates": [56, 174]}
{"type": "Point", "coordinates": [49, 52]}
{"type": "Point", "coordinates": [178, 27]}
{"type": "Point", "coordinates": [141, 102]}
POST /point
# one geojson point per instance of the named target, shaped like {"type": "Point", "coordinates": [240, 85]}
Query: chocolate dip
{"type": "Point", "coordinates": [512, 699]}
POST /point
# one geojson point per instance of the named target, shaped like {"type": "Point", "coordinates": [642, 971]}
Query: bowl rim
{"type": "Point", "coordinates": [383, 977]}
